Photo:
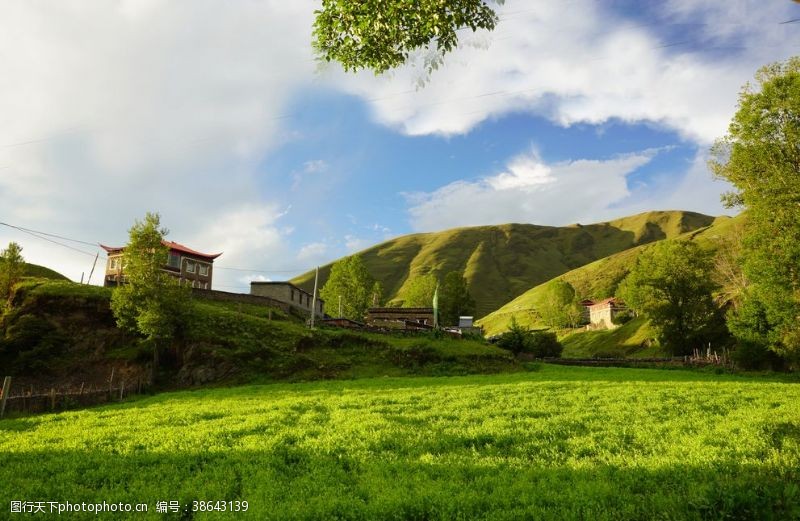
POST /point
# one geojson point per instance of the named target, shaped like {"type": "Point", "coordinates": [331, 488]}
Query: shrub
{"type": "Point", "coordinates": [755, 356]}
{"type": "Point", "coordinates": [520, 339]}
{"type": "Point", "coordinates": [516, 338]}
{"type": "Point", "coordinates": [622, 317]}
{"type": "Point", "coordinates": [544, 344]}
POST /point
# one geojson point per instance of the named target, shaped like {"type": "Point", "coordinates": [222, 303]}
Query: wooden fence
{"type": "Point", "coordinates": [33, 400]}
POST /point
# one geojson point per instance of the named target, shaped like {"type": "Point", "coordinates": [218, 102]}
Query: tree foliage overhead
{"type": "Point", "coordinates": [380, 34]}
{"type": "Point", "coordinates": [672, 285]}
{"type": "Point", "coordinates": [350, 280]}
{"type": "Point", "coordinates": [760, 157]}
{"type": "Point", "coordinates": [12, 267]}
{"type": "Point", "coordinates": [150, 302]}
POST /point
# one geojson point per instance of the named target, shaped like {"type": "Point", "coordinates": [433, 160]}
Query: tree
{"type": "Point", "coordinates": [760, 157]}
{"type": "Point", "coordinates": [350, 280]}
{"type": "Point", "coordinates": [454, 298]}
{"type": "Point", "coordinates": [420, 291]}
{"type": "Point", "coordinates": [558, 307]}
{"type": "Point", "coordinates": [150, 302]}
{"type": "Point", "coordinates": [12, 267]}
{"type": "Point", "coordinates": [377, 294]}
{"type": "Point", "coordinates": [380, 34]}
{"type": "Point", "coordinates": [671, 283]}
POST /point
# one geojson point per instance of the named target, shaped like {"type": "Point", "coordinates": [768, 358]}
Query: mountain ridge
{"type": "Point", "coordinates": [500, 262]}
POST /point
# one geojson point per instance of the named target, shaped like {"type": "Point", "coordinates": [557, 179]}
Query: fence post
{"type": "Point", "coordinates": [121, 389]}
{"type": "Point", "coordinates": [6, 388]}
{"type": "Point", "coordinates": [52, 398]}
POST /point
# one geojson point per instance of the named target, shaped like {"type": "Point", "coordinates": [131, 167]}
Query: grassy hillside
{"type": "Point", "coordinates": [598, 279]}
{"type": "Point", "coordinates": [64, 333]}
{"type": "Point", "coordinates": [557, 444]}
{"type": "Point", "coordinates": [34, 270]}
{"type": "Point", "coordinates": [501, 262]}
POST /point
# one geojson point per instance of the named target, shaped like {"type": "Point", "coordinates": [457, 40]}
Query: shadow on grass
{"type": "Point", "coordinates": [291, 482]}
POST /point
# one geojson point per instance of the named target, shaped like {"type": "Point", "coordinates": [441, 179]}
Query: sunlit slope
{"type": "Point", "coordinates": [500, 262]}
{"type": "Point", "coordinates": [34, 270]}
{"type": "Point", "coordinates": [598, 279]}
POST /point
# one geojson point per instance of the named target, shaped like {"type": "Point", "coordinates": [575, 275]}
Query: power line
{"type": "Point", "coordinates": [49, 234]}
{"type": "Point", "coordinates": [42, 237]}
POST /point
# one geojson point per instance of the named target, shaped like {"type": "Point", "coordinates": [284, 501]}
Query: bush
{"type": "Point", "coordinates": [516, 339]}
{"type": "Point", "coordinates": [520, 339]}
{"type": "Point", "coordinates": [622, 317]}
{"type": "Point", "coordinates": [755, 356]}
{"type": "Point", "coordinates": [544, 344]}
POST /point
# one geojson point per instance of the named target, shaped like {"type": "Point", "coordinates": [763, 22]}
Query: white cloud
{"type": "Point", "coordinates": [116, 108]}
{"type": "Point", "coordinates": [313, 254]}
{"type": "Point", "coordinates": [354, 244]}
{"type": "Point", "coordinates": [315, 166]}
{"type": "Point", "coordinates": [583, 63]}
{"type": "Point", "coordinates": [530, 191]}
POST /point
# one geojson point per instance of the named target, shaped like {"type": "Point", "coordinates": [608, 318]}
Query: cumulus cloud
{"type": "Point", "coordinates": [530, 191]}
{"type": "Point", "coordinates": [313, 253]}
{"type": "Point", "coordinates": [586, 64]}
{"type": "Point", "coordinates": [111, 109]}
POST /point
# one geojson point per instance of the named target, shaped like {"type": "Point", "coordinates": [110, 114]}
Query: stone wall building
{"type": "Point", "coordinates": [602, 313]}
{"type": "Point", "coordinates": [400, 318]}
{"type": "Point", "coordinates": [288, 293]}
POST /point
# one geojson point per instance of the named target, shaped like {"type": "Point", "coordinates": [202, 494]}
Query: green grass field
{"type": "Point", "coordinates": [554, 443]}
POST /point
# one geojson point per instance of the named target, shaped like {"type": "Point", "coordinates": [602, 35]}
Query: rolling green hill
{"type": "Point", "coordinates": [503, 261]}
{"type": "Point", "coordinates": [598, 279]}
{"type": "Point", "coordinates": [34, 270]}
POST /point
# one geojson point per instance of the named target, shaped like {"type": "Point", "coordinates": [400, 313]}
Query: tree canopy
{"type": "Point", "coordinates": [380, 34]}
{"type": "Point", "coordinates": [558, 307]}
{"type": "Point", "coordinates": [150, 302]}
{"type": "Point", "coordinates": [454, 299]}
{"type": "Point", "coordinates": [12, 267]}
{"type": "Point", "coordinates": [350, 280]}
{"type": "Point", "coordinates": [420, 291]}
{"type": "Point", "coordinates": [760, 157]}
{"type": "Point", "coordinates": [672, 285]}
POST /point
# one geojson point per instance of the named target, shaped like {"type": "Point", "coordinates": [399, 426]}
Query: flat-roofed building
{"type": "Point", "coordinates": [288, 293]}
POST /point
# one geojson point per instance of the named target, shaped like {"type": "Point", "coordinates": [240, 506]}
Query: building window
{"type": "Point", "coordinates": [292, 295]}
{"type": "Point", "coordinates": [203, 270]}
{"type": "Point", "coordinates": [189, 267]}
{"type": "Point", "coordinates": [113, 263]}
{"type": "Point", "coordinates": [174, 260]}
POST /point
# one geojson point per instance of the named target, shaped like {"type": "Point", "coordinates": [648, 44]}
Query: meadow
{"type": "Point", "coordinates": [551, 443]}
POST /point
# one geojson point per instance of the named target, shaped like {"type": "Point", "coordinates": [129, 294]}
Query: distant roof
{"type": "Point", "coordinates": [281, 283]}
{"type": "Point", "coordinates": [400, 310]}
{"type": "Point", "coordinates": [172, 246]}
{"type": "Point", "coordinates": [609, 300]}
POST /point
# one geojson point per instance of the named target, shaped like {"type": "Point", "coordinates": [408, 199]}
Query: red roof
{"type": "Point", "coordinates": [173, 246]}
{"type": "Point", "coordinates": [604, 302]}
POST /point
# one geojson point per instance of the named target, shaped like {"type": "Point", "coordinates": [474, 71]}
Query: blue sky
{"type": "Point", "coordinates": [219, 118]}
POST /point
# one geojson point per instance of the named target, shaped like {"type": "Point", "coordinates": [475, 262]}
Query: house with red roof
{"type": "Point", "coordinates": [602, 313]}
{"type": "Point", "coordinates": [192, 267]}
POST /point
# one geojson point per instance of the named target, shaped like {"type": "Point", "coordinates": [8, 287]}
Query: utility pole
{"type": "Point", "coordinates": [314, 297]}
{"type": "Point", "coordinates": [340, 306]}
{"type": "Point", "coordinates": [89, 280]}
